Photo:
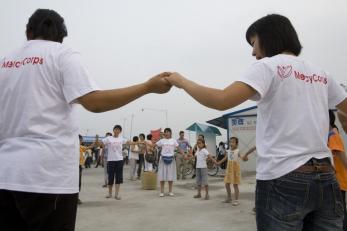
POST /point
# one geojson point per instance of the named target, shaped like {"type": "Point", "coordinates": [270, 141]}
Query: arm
{"type": "Point", "coordinates": [210, 157]}
{"type": "Point", "coordinates": [101, 101]}
{"type": "Point", "coordinates": [342, 157]}
{"type": "Point", "coordinates": [245, 157]}
{"type": "Point", "coordinates": [222, 160]}
{"type": "Point", "coordinates": [233, 95]}
{"type": "Point", "coordinates": [342, 114]}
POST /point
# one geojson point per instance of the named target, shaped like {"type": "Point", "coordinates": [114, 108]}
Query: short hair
{"type": "Point", "coordinates": [276, 35]}
{"type": "Point", "coordinates": [168, 130]}
{"type": "Point", "coordinates": [80, 136]}
{"type": "Point", "coordinates": [135, 138]}
{"type": "Point", "coordinates": [235, 138]}
{"type": "Point", "coordinates": [108, 134]}
{"type": "Point", "coordinates": [117, 127]}
{"type": "Point", "coordinates": [46, 24]}
{"type": "Point", "coordinates": [149, 137]}
{"type": "Point", "coordinates": [181, 132]}
{"type": "Point", "coordinates": [202, 136]}
{"type": "Point", "coordinates": [142, 136]}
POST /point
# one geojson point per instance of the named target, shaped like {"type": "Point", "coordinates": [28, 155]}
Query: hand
{"type": "Point", "coordinates": [176, 80]}
{"type": "Point", "coordinates": [244, 158]}
{"type": "Point", "coordinates": [159, 84]}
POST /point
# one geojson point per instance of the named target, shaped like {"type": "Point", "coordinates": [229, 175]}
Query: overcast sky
{"type": "Point", "coordinates": [126, 42]}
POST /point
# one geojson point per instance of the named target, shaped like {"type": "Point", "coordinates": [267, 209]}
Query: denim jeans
{"type": "Point", "coordinates": [299, 201]}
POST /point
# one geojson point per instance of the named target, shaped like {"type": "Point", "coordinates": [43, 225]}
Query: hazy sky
{"type": "Point", "coordinates": [126, 42]}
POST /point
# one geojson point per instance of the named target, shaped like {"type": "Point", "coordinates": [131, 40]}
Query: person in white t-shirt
{"type": "Point", "coordinates": [167, 163]}
{"type": "Point", "coordinates": [40, 85]}
{"type": "Point", "coordinates": [202, 155]}
{"type": "Point", "coordinates": [114, 145]}
{"type": "Point", "coordinates": [133, 158]}
{"type": "Point", "coordinates": [293, 95]}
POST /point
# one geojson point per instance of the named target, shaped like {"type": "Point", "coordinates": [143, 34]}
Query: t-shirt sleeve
{"type": "Point", "coordinates": [259, 77]}
{"type": "Point", "coordinates": [336, 93]}
{"type": "Point", "coordinates": [159, 143]}
{"type": "Point", "coordinates": [175, 143]}
{"type": "Point", "coordinates": [76, 81]}
{"type": "Point", "coordinates": [105, 141]}
{"type": "Point", "coordinates": [206, 152]}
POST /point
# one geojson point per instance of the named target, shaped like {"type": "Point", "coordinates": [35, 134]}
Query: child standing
{"type": "Point", "coordinates": [201, 168]}
{"type": "Point", "coordinates": [233, 172]}
{"type": "Point", "coordinates": [167, 163]}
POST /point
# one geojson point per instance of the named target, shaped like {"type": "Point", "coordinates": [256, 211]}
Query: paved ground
{"type": "Point", "coordinates": [143, 210]}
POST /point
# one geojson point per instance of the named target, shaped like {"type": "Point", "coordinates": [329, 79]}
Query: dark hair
{"type": "Point", "coordinates": [201, 136]}
{"type": "Point", "coordinates": [80, 136]}
{"type": "Point", "coordinates": [149, 137]}
{"type": "Point", "coordinates": [181, 132]}
{"type": "Point", "coordinates": [135, 138]}
{"type": "Point", "coordinates": [235, 138]}
{"type": "Point", "coordinates": [46, 24]}
{"type": "Point", "coordinates": [108, 134]}
{"type": "Point", "coordinates": [221, 143]}
{"type": "Point", "coordinates": [168, 130]}
{"type": "Point", "coordinates": [142, 136]}
{"type": "Point", "coordinates": [332, 119]}
{"type": "Point", "coordinates": [202, 141]}
{"type": "Point", "coordinates": [117, 127]}
{"type": "Point", "coordinates": [276, 35]}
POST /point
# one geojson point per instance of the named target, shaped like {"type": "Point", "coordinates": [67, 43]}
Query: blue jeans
{"type": "Point", "coordinates": [299, 201]}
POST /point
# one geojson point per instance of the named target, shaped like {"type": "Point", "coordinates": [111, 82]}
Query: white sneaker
{"type": "Point", "coordinates": [171, 194]}
{"type": "Point", "coordinates": [161, 194]}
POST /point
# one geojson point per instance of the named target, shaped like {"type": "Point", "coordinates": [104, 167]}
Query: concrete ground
{"type": "Point", "coordinates": [143, 210]}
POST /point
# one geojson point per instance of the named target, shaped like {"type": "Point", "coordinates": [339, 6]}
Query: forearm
{"type": "Point", "coordinates": [101, 101]}
{"type": "Point", "coordinates": [230, 97]}
{"type": "Point", "coordinates": [250, 151]}
{"type": "Point", "coordinates": [342, 157]}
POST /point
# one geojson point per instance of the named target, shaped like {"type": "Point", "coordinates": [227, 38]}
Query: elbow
{"type": "Point", "coordinates": [93, 108]}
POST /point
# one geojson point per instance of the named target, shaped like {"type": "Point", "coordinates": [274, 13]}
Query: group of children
{"type": "Point", "coordinates": [167, 167]}
{"type": "Point", "coordinates": [232, 173]}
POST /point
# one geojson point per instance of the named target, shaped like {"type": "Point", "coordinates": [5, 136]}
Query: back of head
{"type": "Point", "coordinates": [47, 25]}
{"type": "Point", "coordinates": [276, 35]}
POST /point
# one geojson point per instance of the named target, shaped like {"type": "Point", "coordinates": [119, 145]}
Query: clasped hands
{"type": "Point", "coordinates": [163, 82]}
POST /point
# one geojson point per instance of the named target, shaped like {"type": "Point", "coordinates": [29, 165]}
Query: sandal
{"type": "Point", "coordinates": [235, 203]}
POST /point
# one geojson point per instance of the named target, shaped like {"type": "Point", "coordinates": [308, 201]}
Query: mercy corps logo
{"type": "Point", "coordinates": [23, 62]}
{"type": "Point", "coordinates": [286, 71]}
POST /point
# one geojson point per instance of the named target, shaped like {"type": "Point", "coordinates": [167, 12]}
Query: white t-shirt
{"type": "Point", "coordinates": [134, 155]}
{"type": "Point", "coordinates": [201, 156]}
{"type": "Point", "coordinates": [168, 146]}
{"type": "Point", "coordinates": [233, 154]}
{"type": "Point", "coordinates": [292, 123]}
{"type": "Point", "coordinates": [114, 146]}
{"type": "Point", "coordinates": [39, 146]}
